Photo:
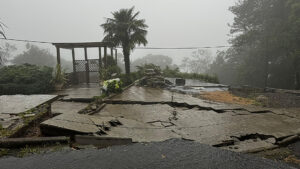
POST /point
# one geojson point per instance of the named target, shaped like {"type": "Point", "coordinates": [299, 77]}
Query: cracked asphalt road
{"type": "Point", "coordinates": [171, 154]}
{"type": "Point", "coordinates": [153, 115]}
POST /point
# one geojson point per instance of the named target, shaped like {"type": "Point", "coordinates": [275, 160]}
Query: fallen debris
{"type": "Point", "coordinates": [153, 78]}
{"type": "Point", "coordinates": [72, 124]}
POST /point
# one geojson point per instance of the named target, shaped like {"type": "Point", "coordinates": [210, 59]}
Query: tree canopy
{"type": "Point", "coordinates": [37, 56]}
{"type": "Point", "coordinates": [198, 63]}
{"type": "Point", "coordinates": [159, 60]}
{"type": "Point", "coordinates": [265, 44]}
{"type": "Point", "coordinates": [125, 30]}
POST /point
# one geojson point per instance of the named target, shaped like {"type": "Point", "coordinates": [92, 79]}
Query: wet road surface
{"type": "Point", "coordinates": [169, 154]}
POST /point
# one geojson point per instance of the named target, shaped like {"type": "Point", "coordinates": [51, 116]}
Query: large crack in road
{"type": "Point", "coordinates": [149, 115]}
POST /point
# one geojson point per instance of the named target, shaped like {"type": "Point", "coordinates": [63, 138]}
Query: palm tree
{"type": "Point", "coordinates": [125, 30]}
{"type": "Point", "coordinates": [1, 29]}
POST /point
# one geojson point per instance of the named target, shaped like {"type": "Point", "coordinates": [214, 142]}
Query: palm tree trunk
{"type": "Point", "coordinates": [126, 53]}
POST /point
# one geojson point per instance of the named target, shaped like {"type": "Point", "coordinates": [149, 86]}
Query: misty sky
{"type": "Point", "coordinates": [172, 23]}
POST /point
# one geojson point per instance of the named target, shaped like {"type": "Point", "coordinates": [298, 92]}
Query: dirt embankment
{"type": "Point", "coordinates": [226, 97]}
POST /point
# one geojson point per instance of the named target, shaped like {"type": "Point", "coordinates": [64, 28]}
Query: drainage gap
{"type": "Point", "coordinates": [253, 137]}
{"type": "Point", "coordinates": [172, 104]}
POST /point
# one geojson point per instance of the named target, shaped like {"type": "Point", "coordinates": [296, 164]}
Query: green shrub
{"type": "Point", "coordinates": [110, 69]}
{"type": "Point", "coordinates": [109, 61]}
{"type": "Point", "coordinates": [129, 79]}
{"type": "Point", "coordinates": [112, 86]}
{"type": "Point", "coordinates": [169, 72]}
{"type": "Point", "coordinates": [59, 75]}
{"type": "Point", "coordinates": [25, 79]}
{"type": "Point", "coordinates": [106, 73]}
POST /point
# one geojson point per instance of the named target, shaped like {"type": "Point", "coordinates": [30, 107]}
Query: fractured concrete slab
{"type": "Point", "coordinates": [84, 91]}
{"type": "Point", "coordinates": [75, 123]}
{"type": "Point", "coordinates": [15, 104]}
{"type": "Point", "coordinates": [59, 107]}
{"type": "Point", "coordinates": [141, 132]}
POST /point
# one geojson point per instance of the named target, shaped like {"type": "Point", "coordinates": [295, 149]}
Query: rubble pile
{"type": "Point", "coordinates": [154, 78]}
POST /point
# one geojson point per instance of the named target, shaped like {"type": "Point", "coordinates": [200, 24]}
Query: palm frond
{"type": "Point", "coordinates": [125, 29]}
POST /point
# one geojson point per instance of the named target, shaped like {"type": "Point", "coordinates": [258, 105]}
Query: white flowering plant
{"type": "Point", "coordinates": [112, 86]}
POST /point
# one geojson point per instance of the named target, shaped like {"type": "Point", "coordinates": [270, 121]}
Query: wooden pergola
{"type": "Point", "coordinates": [87, 62]}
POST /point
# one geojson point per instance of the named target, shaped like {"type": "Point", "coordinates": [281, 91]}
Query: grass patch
{"type": "Point", "coordinates": [4, 152]}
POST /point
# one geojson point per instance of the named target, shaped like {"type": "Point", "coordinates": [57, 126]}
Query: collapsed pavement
{"type": "Point", "coordinates": [19, 112]}
{"type": "Point", "coordinates": [151, 114]}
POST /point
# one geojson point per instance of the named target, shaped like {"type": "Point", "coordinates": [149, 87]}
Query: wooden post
{"type": "Point", "coordinates": [116, 56]}
{"type": "Point", "coordinates": [58, 55]}
{"type": "Point", "coordinates": [100, 58]}
{"type": "Point", "coordinates": [105, 56]}
{"type": "Point", "coordinates": [73, 59]}
{"type": "Point", "coordinates": [74, 67]}
{"type": "Point", "coordinates": [86, 66]}
{"type": "Point", "coordinates": [112, 53]}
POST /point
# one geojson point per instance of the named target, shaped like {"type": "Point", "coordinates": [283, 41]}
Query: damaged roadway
{"type": "Point", "coordinates": [168, 154]}
{"type": "Point", "coordinates": [151, 114]}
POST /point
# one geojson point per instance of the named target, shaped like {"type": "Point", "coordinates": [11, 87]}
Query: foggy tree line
{"type": "Point", "coordinates": [32, 55]}
{"type": "Point", "coordinates": [265, 39]}
{"type": "Point", "coordinates": [265, 45]}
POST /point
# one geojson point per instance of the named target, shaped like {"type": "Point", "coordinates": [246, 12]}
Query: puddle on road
{"type": "Point", "coordinates": [196, 86]}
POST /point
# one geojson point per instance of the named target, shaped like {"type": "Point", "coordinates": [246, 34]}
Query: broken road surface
{"type": "Point", "coordinates": [151, 114]}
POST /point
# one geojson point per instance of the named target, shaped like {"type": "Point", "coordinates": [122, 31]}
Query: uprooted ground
{"type": "Point", "coordinates": [150, 114]}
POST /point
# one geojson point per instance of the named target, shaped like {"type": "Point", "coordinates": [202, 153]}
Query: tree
{"type": "Point", "coordinates": [125, 30]}
{"type": "Point", "coordinates": [38, 56]}
{"type": "Point", "coordinates": [5, 52]}
{"type": "Point", "coordinates": [2, 25]}
{"type": "Point", "coordinates": [198, 63]}
{"type": "Point", "coordinates": [160, 60]}
{"type": "Point", "coordinates": [265, 44]}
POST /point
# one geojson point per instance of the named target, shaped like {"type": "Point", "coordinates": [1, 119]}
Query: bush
{"type": "Point", "coordinates": [25, 79]}
{"type": "Point", "coordinates": [110, 69]}
{"type": "Point", "coordinates": [107, 73]}
{"type": "Point", "coordinates": [59, 75]}
{"type": "Point", "coordinates": [168, 72]}
{"type": "Point", "coordinates": [129, 79]}
{"type": "Point", "coordinates": [112, 86]}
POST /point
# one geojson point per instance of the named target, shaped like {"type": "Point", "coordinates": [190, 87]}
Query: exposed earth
{"type": "Point", "coordinates": [226, 97]}
{"type": "Point", "coordinates": [152, 114]}
{"type": "Point", "coordinates": [147, 115]}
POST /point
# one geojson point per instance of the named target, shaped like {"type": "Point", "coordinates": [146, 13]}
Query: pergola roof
{"type": "Point", "coordinates": [83, 45]}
